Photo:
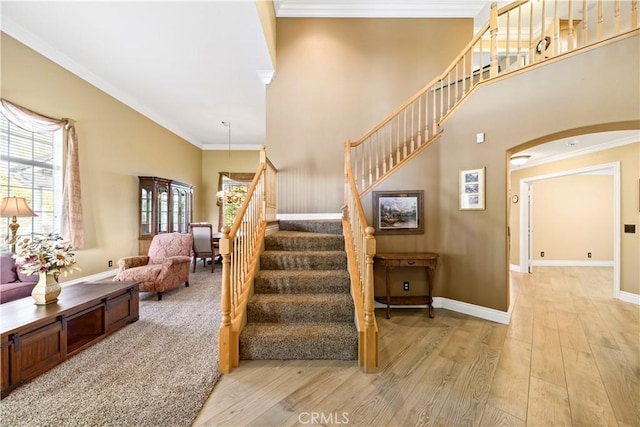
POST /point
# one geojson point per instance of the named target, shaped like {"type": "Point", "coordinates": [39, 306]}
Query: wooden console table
{"type": "Point", "coordinates": [35, 338]}
{"type": "Point", "coordinates": [426, 260]}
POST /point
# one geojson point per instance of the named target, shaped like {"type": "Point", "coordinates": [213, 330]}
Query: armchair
{"type": "Point", "coordinates": [166, 266]}
{"type": "Point", "coordinates": [202, 243]}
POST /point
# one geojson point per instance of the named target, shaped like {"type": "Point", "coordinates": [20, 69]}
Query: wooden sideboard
{"type": "Point", "coordinates": [35, 338]}
{"type": "Point", "coordinates": [426, 260]}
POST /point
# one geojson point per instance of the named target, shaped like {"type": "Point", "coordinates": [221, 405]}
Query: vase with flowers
{"type": "Point", "coordinates": [49, 257]}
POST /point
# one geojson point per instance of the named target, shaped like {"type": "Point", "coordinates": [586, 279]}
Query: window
{"type": "Point", "coordinates": [30, 167]}
{"type": "Point", "coordinates": [235, 193]}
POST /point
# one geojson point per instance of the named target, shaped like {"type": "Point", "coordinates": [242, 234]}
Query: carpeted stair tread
{"type": "Point", "coordinates": [300, 308]}
{"type": "Point", "coordinates": [302, 281]}
{"type": "Point", "coordinates": [299, 341]}
{"type": "Point", "coordinates": [332, 226]}
{"type": "Point", "coordinates": [303, 240]}
{"type": "Point", "coordinates": [303, 260]}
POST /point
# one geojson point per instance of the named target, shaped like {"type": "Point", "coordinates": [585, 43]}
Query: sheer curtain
{"type": "Point", "coordinates": [71, 228]}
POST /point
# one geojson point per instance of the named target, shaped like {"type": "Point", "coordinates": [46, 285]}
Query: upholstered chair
{"type": "Point", "coordinates": [202, 243]}
{"type": "Point", "coordinates": [165, 267]}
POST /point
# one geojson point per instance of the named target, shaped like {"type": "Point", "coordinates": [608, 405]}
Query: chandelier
{"type": "Point", "coordinates": [230, 195]}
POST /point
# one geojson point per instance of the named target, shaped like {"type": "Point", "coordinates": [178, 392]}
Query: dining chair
{"type": "Point", "coordinates": [202, 243]}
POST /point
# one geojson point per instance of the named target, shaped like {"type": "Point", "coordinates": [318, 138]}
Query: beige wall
{"type": "Point", "coordinates": [268, 20]}
{"type": "Point", "coordinates": [629, 158]}
{"type": "Point", "coordinates": [320, 97]}
{"type": "Point", "coordinates": [116, 144]}
{"type": "Point", "coordinates": [212, 163]}
{"type": "Point", "coordinates": [573, 216]}
{"type": "Point", "coordinates": [336, 79]}
{"type": "Point", "coordinates": [571, 95]}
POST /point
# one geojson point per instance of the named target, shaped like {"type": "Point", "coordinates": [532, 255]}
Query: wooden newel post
{"type": "Point", "coordinates": [493, 28]}
{"type": "Point", "coordinates": [370, 333]}
{"type": "Point", "coordinates": [225, 344]}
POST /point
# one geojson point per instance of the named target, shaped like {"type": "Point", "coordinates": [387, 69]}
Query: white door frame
{"type": "Point", "coordinates": [525, 187]}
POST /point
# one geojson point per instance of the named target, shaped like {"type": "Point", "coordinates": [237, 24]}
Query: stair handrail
{"type": "Point", "coordinates": [417, 122]}
{"type": "Point", "coordinates": [240, 247]}
{"type": "Point", "coordinates": [360, 245]}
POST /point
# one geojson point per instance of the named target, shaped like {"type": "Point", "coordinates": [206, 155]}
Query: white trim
{"type": "Point", "coordinates": [45, 49]}
{"type": "Point", "coordinates": [485, 313]}
{"type": "Point", "coordinates": [92, 278]}
{"type": "Point", "coordinates": [629, 297]}
{"type": "Point", "coordinates": [516, 268]}
{"type": "Point", "coordinates": [376, 9]}
{"type": "Point", "coordinates": [234, 147]}
{"type": "Point", "coordinates": [582, 151]}
{"type": "Point", "coordinates": [525, 184]}
{"type": "Point", "coordinates": [266, 76]}
{"type": "Point", "coordinates": [571, 263]}
{"type": "Point", "coordinates": [308, 216]}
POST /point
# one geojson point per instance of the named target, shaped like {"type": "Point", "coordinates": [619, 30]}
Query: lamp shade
{"type": "Point", "coordinates": [15, 206]}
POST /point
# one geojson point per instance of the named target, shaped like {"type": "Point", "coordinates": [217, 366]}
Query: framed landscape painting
{"type": "Point", "coordinates": [472, 189]}
{"type": "Point", "coordinates": [398, 212]}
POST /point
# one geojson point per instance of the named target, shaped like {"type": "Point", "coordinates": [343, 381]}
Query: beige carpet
{"type": "Point", "coordinates": [155, 372]}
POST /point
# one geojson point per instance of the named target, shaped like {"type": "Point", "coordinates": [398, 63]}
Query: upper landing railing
{"type": "Point", "coordinates": [517, 36]}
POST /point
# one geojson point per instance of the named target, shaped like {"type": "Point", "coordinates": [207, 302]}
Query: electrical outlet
{"type": "Point", "coordinates": [588, 254]}
{"type": "Point", "coordinates": [405, 286]}
{"type": "Point", "coordinates": [541, 254]}
{"type": "Point", "coordinates": [110, 263]}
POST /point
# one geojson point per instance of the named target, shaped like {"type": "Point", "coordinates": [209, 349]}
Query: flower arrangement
{"type": "Point", "coordinates": [45, 254]}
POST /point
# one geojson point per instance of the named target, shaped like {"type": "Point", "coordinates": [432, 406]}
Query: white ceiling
{"type": "Point", "coordinates": [577, 145]}
{"type": "Point", "coordinates": [189, 65]}
{"type": "Point", "coordinates": [186, 65]}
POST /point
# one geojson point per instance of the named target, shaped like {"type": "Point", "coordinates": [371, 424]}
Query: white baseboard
{"type": "Point", "coordinates": [307, 216]}
{"type": "Point", "coordinates": [629, 297]}
{"type": "Point", "coordinates": [91, 278]}
{"type": "Point", "coordinates": [516, 268]}
{"type": "Point", "coordinates": [461, 307]}
{"type": "Point", "coordinates": [571, 263]}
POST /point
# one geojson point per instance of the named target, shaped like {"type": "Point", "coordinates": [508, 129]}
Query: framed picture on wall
{"type": "Point", "coordinates": [472, 189]}
{"type": "Point", "coordinates": [398, 212]}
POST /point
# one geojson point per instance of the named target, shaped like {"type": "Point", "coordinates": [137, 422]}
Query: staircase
{"type": "Point", "coordinates": [301, 307]}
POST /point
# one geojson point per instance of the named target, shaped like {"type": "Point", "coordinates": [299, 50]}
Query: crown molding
{"type": "Point", "coordinates": [234, 147]}
{"type": "Point", "coordinates": [24, 36]}
{"type": "Point", "coordinates": [378, 9]}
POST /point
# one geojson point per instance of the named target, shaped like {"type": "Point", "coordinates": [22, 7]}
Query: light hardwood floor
{"type": "Point", "coordinates": [571, 356]}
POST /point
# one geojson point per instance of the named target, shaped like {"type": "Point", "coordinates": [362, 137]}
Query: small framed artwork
{"type": "Point", "coordinates": [472, 189]}
{"type": "Point", "coordinates": [398, 212]}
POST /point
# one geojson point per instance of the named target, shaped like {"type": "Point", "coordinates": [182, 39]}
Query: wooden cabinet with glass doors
{"type": "Point", "coordinates": [166, 206]}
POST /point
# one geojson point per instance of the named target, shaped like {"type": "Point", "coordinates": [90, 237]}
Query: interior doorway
{"type": "Point", "coordinates": [526, 230]}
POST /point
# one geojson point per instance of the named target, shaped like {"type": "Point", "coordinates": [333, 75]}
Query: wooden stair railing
{"type": "Point", "coordinates": [360, 246]}
{"type": "Point", "coordinates": [517, 36]}
{"type": "Point", "coordinates": [240, 247]}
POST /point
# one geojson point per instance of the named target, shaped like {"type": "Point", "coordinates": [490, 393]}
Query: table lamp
{"type": "Point", "coordinates": [14, 207]}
